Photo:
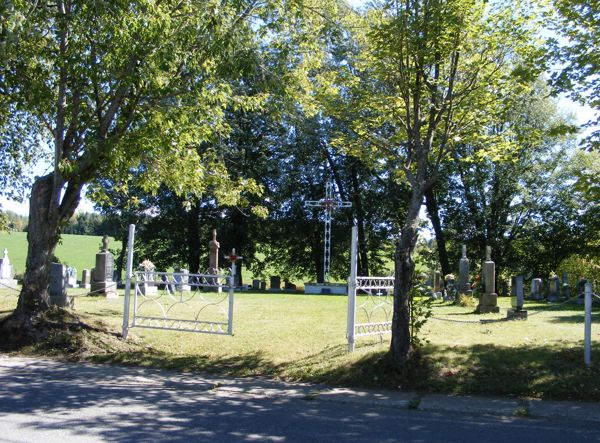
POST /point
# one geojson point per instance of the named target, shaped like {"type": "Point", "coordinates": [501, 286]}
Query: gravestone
{"type": "Point", "coordinates": [289, 286]}
{"type": "Point", "coordinates": [488, 301]}
{"type": "Point", "coordinates": [148, 285]}
{"type": "Point", "coordinates": [71, 277]}
{"type": "Point", "coordinates": [437, 285]}
{"type": "Point", "coordinates": [213, 261]}
{"type": "Point", "coordinates": [464, 286]}
{"type": "Point", "coordinates": [450, 285]}
{"type": "Point", "coordinates": [565, 288]}
{"type": "Point", "coordinates": [275, 283]}
{"type": "Point", "coordinates": [536, 289]}
{"type": "Point", "coordinates": [182, 279]}
{"type": "Point", "coordinates": [553, 289]}
{"type": "Point", "coordinates": [58, 286]}
{"type": "Point", "coordinates": [255, 284]}
{"type": "Point", "coordinates": [7, 272]}
{"type": "Point", "coordinates": [263, 285]}
{"type": "Point", "coordinates": [517, 300]}
{"type": "Point", "coordinates": [102, 274]}
{"type": "Point", "coordinates": [86, 278]}
{"type": "Point", "coordinates": [580, 291]}
{"type": "Point", "coordinates": [505, 288]}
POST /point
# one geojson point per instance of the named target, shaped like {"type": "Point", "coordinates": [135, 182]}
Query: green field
{"type": "Point", "coordinates": [74, 250]}
{"type": "Point", "coordinates": [299, 337]}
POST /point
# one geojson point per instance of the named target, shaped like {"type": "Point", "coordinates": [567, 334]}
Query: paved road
{"type": "Point", "coordinates": [49, 401]}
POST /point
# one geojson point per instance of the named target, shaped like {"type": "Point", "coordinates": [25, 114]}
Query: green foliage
{"type": "Point", "coordinates": [420, 311]}
{"type": "Point", "coordinates": [85, 223]}
{"type": "Point", "coordinates": [578, 55]}
{"type": "Point", "coordinates": [13, 222]}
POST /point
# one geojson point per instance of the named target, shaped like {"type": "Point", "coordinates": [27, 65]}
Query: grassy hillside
{"type": "Point", "coordinates": [74, 250]}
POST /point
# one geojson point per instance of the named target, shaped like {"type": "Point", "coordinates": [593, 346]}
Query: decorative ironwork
{"type": "Point", "coordinates": [374, 313]}
{"type": "Point", "coordinates": [370, 301]}
{"type": "Point", "coordinates": [183, 302]}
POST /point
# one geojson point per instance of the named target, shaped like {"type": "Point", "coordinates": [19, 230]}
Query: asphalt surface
{"type": "Point", "coordinates": [52, 401]}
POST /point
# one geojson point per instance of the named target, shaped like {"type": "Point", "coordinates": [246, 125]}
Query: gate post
{"type": "Point", "coordinates": [352, 290]}
{"type": "Point", "coordinates": [587, 332]}
{"type": "Point", "coordinates": [128, 273]}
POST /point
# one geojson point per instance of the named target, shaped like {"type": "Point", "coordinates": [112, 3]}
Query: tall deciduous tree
{"type": "Point", "coordinates": [436, 70]}
{"type": "Point", "coordinates": [112, 84]}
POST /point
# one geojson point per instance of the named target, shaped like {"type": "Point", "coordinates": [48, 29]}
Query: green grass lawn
{"type": "Point", "coordinates": [74, 250]}
{"type": "Point", "coordinates": [299, 337]}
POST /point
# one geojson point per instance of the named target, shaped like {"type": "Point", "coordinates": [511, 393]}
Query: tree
{"type": "Point", "coordinates": [113, 84]}
{"type": "Point", "coordinates": [578, 55]}
{"type": "Point", "coordinates": [437, 70]}
{"type": "Point", "coordinates": [498, 201]}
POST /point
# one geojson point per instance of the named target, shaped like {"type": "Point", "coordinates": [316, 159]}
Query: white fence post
{"type": "Point", "coordinates": [128, 274]}
{"type": "Point", "coordinates": [587, 355]}
{"type": "Point", "coordinates": [231, 295]}
{"type": "Point", "coordinates": [352, 290]}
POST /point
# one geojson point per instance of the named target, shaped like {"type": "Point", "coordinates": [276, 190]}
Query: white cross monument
{"type": "Point", "coordinates": [329, 204]}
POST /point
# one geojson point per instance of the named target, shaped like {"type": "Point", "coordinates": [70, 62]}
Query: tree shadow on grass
{"type": "Point", "coordinates": [243, 365]}
{"type": "Point", "coordinates": [548, 371]}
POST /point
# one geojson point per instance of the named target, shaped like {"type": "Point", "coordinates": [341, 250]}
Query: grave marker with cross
{"type": "Point", "coordinates": [329, 204]}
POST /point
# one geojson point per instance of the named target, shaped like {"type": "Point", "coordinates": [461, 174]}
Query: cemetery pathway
{"type": "Point", "coordinates": [52, 401]}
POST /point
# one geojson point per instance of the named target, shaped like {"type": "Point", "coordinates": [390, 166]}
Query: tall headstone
{"type": "Point", "coordinates": [464, 286]}
{"type": "Point", "coordinates": [488, 301]}
{"type": "Point", "coordinates": [102, 274]}
{"type": "Point", "coordinates": [565, 287]}
{"type": "Point", "coordinates": [58, 286]}
{"type": "Point", "coordinates": [255, 284]}
{"type": "Point", "coordinates": [6, 272]}
{"type": "Point", "coordinates": [553, 289]}
{"type": "Point", "coordinates": [213, 260]}
{"type": "Point", "coordinates": [536, 289]}
{"type": "Point", "coordinates": [213, 255]}
{"type": "Point", "coordinates": [517, 300]}
{"type": "Point", "coordinates": [86, 278]}
{"type": "Point", "coordinates": [438, 286]}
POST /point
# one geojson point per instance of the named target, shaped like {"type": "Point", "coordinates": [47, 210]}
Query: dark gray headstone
{"type": "Point", "coordinates": [275, 282]}
{"type": "Point", "coordinates": [517, 292]}
{"type": "Point", "coordinates": [256, 284]}
{"type": "Point", "coordinates": [553, 289]}
{"type": "Point", "coordinates": [58, 285]}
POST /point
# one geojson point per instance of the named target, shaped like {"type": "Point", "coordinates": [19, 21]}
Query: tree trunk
{"type": "Point", "coordinates": [45, 219]}
{"type": "Point", "coordinates": [401, 347]}
{"type": "Point", "coordinates": [440, 238]}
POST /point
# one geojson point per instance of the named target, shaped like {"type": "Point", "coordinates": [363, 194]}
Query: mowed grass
{"type": "Point", "coordinates": [300, 337]}
{"type": "Point", "coordinates": [73, 250]}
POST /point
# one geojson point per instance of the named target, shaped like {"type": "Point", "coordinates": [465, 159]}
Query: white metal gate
{"type": "Point", "coordinates": [370, 302]}
{"type": "Point", "coordinates": [173, 301]}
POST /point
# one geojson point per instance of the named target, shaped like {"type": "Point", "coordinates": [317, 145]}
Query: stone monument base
{"type": "Point", "coordinates": [516, 314]}
{"type": "Point", "coordinates": [8, 283]}
{"type": "Point", "coordinates": [108, 288]}
{"type": "Point", "coordinates": [64, 301]}
{"type": "Point", "coordinates": [326, 288]}
{"type": "Point", "coordinates": [487, 303]}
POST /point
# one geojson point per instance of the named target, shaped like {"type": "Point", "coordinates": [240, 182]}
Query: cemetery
{"type": "Point", "coordinates": [395, 195]}
{"type": "Point", "coordinates": [524, 343]}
